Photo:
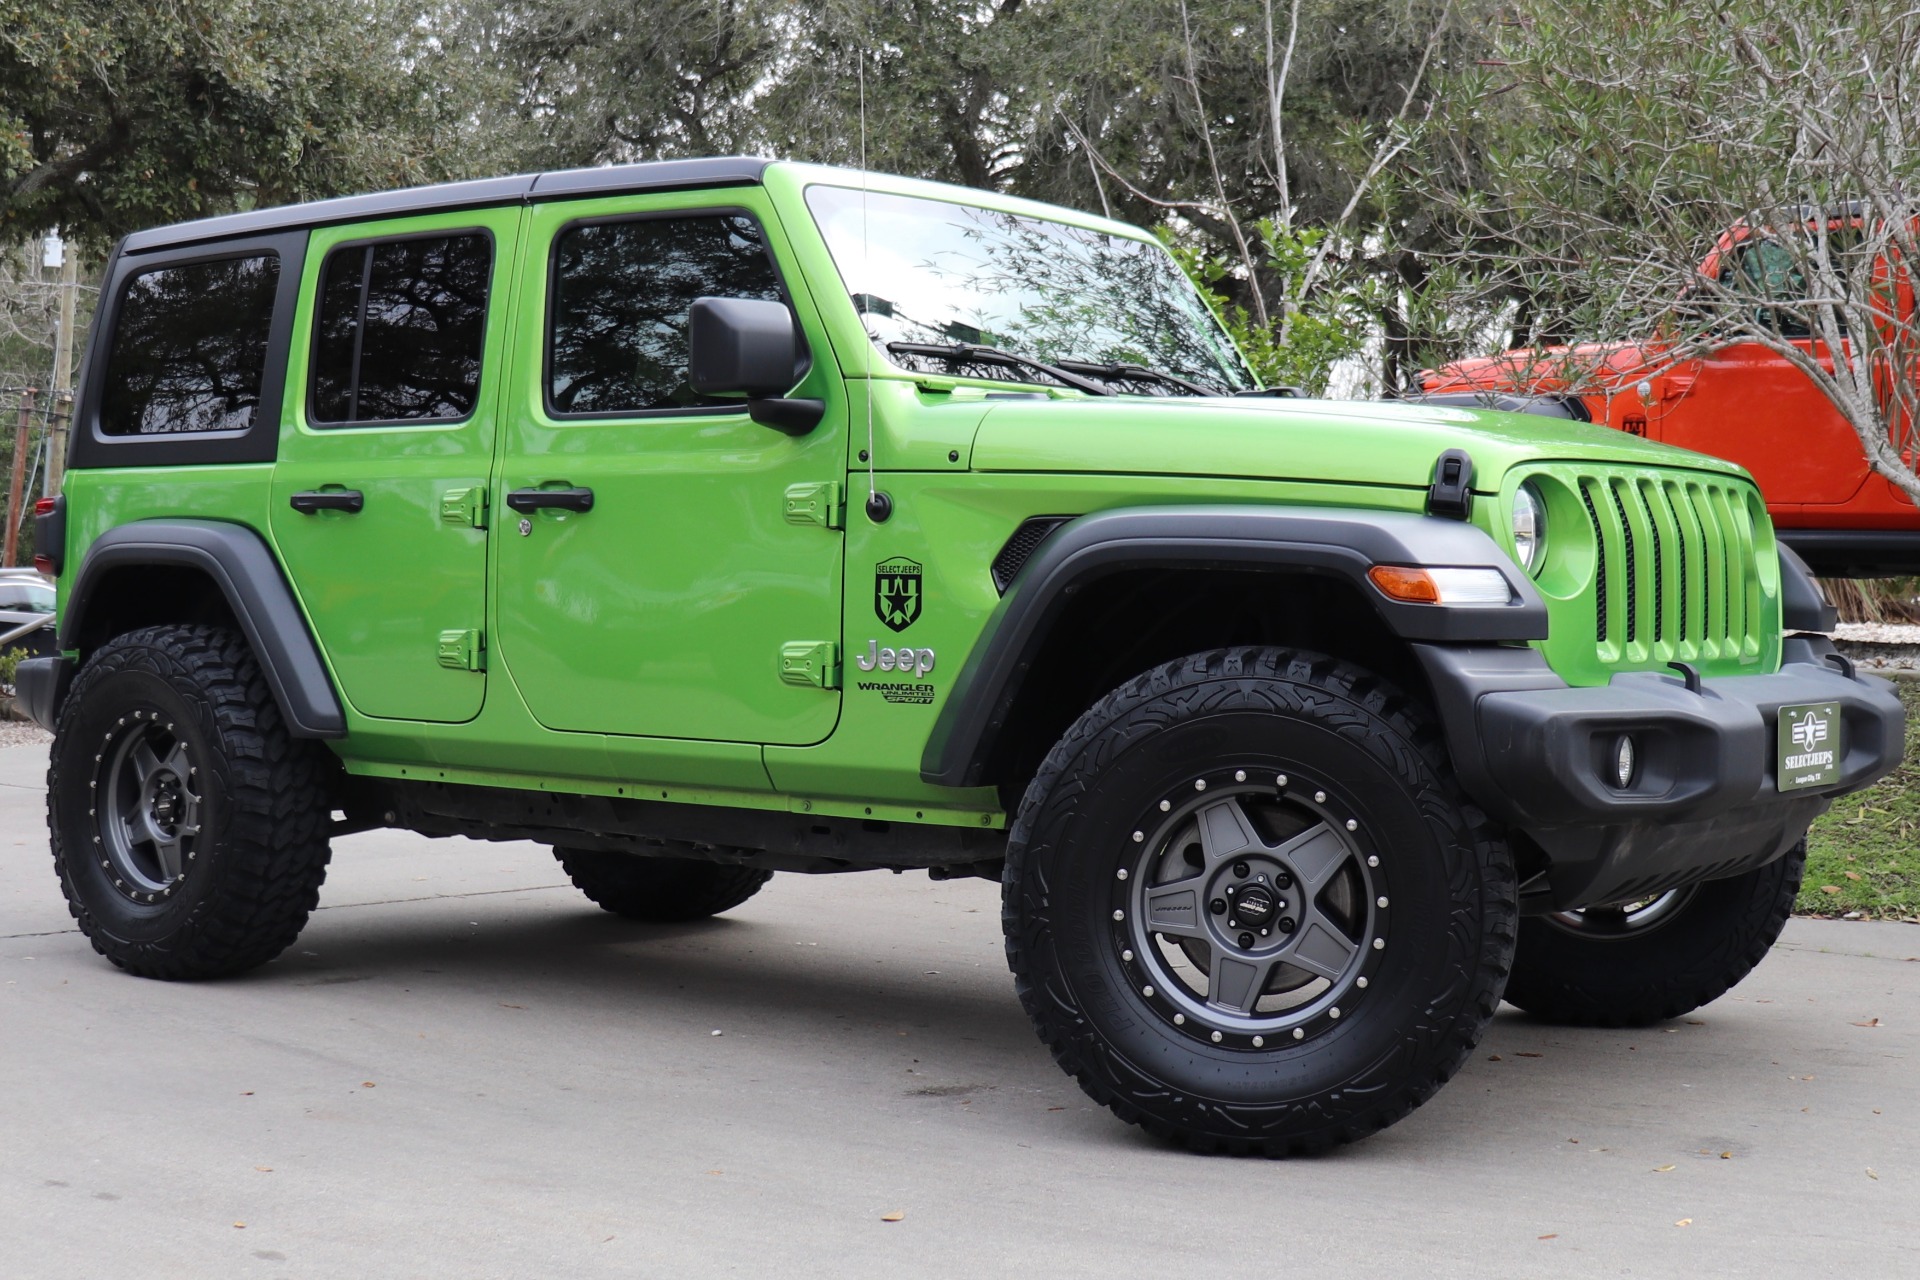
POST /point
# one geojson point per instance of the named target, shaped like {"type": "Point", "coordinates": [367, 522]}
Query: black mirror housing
{"type": "Point", "coordinates": [741, 345]}
{"type": "Point", "coordinates": [750, 345]}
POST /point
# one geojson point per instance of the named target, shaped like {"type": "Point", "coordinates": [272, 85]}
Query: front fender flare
{"type": "Point", "coordinates": [1339, 542]}
{"type": "Point", "coordinates": [238, 561]}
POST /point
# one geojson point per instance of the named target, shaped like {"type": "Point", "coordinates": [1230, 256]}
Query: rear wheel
{"type": "Point", "coordinates": [189, 828]}
{"type": "Point", "coordinates": [665, 889]}
{"type": "Point", "coordinates": [1641, 962]}
{"type": "Point", "coordinates": [1248, 908]}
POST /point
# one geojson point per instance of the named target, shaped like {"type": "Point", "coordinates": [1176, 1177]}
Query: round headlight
{"type": "Point", "coordinates": [1530, 528]}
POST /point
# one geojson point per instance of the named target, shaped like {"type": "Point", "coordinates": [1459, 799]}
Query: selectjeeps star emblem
{"type": "Point", "coordinates": [1810, 733]}
{"type": "Point", "coordinates": [896, 592]}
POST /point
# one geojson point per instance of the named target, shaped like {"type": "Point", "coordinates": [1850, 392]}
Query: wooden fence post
{"type": "Point", "coordinates": [19, 482]}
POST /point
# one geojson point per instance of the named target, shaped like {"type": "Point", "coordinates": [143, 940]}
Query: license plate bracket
{"type": "Point", "coordinates": [1810, 746]}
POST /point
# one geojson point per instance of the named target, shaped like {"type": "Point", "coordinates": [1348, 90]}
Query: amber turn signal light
{"type": "Point", "coordinates": [1449, 585]}
{"type": "Point", "coordinates": [1414, 586]}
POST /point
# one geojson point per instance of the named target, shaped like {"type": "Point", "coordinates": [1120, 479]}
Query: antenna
{"type": "Point", "coordinates": [879, 506]}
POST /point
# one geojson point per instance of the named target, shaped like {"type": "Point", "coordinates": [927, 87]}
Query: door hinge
{"type": "Point", "coordinates": [463, 650]}
{"type": "Point", "coordinates": [815, 502]}
{"type": "Point", "coordinates": [465, 506]}
{"type": "Point", "coordinates": [811, 663]}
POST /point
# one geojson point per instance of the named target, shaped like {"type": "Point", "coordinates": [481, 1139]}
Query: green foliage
{"type": "Point", "coordinates": [1300, 344]}
{"type": "Point", "coordinates": [116, 115]}
{"type": "Point", "coordinates": [9, 663]}
{"type": "Point", "coordinates": [1588, 167]}
{"type": "Point", "coordinates": [1134, 108]}
{"type": "Point", "coordinates": [1864, 854]}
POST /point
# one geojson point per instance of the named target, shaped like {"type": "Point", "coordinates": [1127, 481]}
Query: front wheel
{"type": "Point", "coordinates": [1248, 908]}
{"type": "Point", "coordinates": [1637, 963]}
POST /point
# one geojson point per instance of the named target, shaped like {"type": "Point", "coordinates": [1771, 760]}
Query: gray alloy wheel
{"type": "Point", "coordinates": [1624, 919]}
{"type": "Point", "coordinates": [147, 784]}
{"type": "Point", "coordinates": [1248, 908]}
{"type": "Point", "coordinates": [1252, 909]}
{"type": "Point", "coordinates": [188, 826]}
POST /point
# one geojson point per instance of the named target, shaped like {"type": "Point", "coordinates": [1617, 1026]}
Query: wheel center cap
{"type": "Point", "coordinates": [1255, 905]}
{"type": "Point", "coordinates": [165, 803]}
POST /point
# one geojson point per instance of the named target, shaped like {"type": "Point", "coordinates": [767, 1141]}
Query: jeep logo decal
{"type": "Point", "coordinates": [896, 592]}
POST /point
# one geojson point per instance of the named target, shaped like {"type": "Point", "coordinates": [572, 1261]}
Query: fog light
{"type": "Point", "coordinates": [1623, 761]}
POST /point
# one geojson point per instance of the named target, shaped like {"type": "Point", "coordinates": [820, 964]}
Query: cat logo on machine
{"type": "Point", "coordinates": [896, 592]}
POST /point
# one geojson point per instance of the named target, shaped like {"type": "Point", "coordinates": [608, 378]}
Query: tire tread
{"type": "Point", "coordinates": [273, 844]}
{"type": "Point", "coordinates": [1397, 730]}
{"type": "Point", "coordinates": [663, 889]}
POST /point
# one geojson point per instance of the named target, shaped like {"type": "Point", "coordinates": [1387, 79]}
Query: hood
{"type": "Point", "coordinates": [1337, 441]}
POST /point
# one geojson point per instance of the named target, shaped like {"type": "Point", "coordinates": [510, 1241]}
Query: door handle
{"type": "Point", "coordinates": [348, 500]}
{"type": "Point", "coordinates": [545, 499]}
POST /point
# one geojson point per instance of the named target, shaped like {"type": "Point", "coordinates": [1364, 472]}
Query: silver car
{"type": "Point", "coordinates": [26, 598]}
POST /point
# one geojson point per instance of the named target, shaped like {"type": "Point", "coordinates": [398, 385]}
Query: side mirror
{"type": "Point", "coordinates": [749, 345]}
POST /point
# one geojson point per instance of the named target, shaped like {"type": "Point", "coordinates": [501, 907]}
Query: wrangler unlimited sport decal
{"type": "Point", "coordinates": [915, 662]}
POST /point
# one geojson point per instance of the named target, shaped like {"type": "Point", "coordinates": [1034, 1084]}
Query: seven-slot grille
{"type": "Point", "coordinates": [1675, 577]}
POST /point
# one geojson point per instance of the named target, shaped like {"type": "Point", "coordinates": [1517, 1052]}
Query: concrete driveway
{"type": "Point", "coordinates": [464, 1069]}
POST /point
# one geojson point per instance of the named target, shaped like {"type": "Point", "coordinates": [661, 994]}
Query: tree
{"type": "Point", "coordinates": [116, 115]}
{"type": "Point", "coordinates": [1267, 135]}
{"type": "Point", "coordinates": [1252, 130]}
{"type": "Point", "coordinates": [1614, 152]}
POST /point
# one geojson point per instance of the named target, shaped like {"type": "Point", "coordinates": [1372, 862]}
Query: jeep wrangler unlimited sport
{"type": "Point", "coordinates": [707, 519]}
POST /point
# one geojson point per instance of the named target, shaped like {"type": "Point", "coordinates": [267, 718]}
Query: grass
{"type": "Point", "coordinates": [1864, 853]}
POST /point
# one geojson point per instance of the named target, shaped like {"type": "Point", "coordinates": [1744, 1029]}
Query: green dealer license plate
{"type": "Point", "coordinates": [1809, 754]}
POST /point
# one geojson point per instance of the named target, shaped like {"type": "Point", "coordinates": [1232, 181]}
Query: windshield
{"type": "Point", "coordinates": [930, 272]}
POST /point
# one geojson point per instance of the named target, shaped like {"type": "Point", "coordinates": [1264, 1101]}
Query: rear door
{"type": "Point", "coordinates": [379, 493]}
{"type": "Point", "coordinates": [664, 608]}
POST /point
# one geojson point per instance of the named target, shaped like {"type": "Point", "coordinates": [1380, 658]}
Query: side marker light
{"type": "Point", "coordinates": [1452, 586]}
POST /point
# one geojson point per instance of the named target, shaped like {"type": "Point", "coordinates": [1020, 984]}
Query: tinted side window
{"type": "Point", "coordinates": [617, 335]}
{"type": "Point", "coordinates": [189, 347]}
{"type": "Point", "coordinates": [399, 330]}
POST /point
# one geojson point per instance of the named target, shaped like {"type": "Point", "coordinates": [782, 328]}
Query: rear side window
{"type": "Point", "coordinates": [189, 348]}
{"type": "Point", "coordinates": [399, 330]}
{"type": "Point", "coordinates": [617, 335]}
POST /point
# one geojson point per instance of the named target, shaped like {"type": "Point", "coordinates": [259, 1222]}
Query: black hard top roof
{"type": "Point", "coordinates": [658, 175]}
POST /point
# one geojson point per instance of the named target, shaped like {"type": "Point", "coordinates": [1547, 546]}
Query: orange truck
{"type": "Point", "coordinates": [1740, 401]}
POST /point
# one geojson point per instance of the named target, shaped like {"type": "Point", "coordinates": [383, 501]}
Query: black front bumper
{"type": "Point", "coordinates": [1703, 802]}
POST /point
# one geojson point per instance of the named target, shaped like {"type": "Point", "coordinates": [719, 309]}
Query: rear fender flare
{"type": "Point", "coordinates": [237, 561]}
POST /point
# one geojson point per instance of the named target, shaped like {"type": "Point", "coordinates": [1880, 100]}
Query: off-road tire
{"type": "Point", "coordinates": [252, 873]}
{"type": "Point", "coordinates": [662, 890]}
{"type": "Point", "coordinates": [1688, 958]}
{"type": "Point", "coordinates": [1350, 744]}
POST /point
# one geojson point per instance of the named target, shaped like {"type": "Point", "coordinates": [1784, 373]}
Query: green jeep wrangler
{"type": "Point", "coordinates": [705, 519]}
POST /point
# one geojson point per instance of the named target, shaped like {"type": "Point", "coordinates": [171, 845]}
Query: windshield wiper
{"type": "Point", "coordinates": [968, 353]}
{"type": "Point", "coordinates": [1136, 373]}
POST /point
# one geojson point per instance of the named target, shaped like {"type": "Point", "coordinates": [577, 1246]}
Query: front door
{"type": "Point", "coordinates": [656, 592]}
{"type": "Point", "coordinates": [1745, 403]}
{"type": "Point", "coordinates": [1749, 404]}
{"type": "Point", "coordinates": [380, 489]}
